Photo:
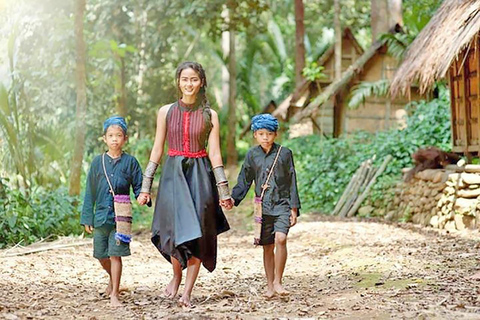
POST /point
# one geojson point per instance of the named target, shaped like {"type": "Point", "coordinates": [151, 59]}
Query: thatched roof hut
{"type": "Point", "coordinates": [432, 53]}
{"type": "Point", "coordinates": [322, 106]}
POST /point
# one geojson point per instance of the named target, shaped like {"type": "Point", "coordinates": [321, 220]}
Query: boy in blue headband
{"type": "Point", "coordinates": [280, 205]}
{"type": "Point", "coordinates": [123, 171]}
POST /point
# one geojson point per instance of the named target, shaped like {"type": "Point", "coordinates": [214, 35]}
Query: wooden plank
{"type": "Point", "coordinates": [477, 56]}
{"type": "Point", "coordinates": [353, 117]}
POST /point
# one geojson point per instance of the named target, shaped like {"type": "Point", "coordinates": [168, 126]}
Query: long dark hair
{"type": "Point", "coordinates": [197, 67]}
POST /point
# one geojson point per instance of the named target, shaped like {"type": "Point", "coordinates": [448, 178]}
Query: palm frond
{"type": "Point", "coordinates": [397, 43]}
{"type": "Point", "coordinates": [367, 89]}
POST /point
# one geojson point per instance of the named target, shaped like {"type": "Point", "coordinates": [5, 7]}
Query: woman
{"type": "Point", "coordinates": [188, 217]}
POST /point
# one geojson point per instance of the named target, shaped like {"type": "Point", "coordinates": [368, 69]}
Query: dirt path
{"type": "Point", "coordinates": [336, 269]}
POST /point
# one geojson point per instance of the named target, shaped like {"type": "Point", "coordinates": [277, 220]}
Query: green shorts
{"type": "Point", "coordinates": [272, 224]}
{"type": "Point", "coordinates": [105, 245]}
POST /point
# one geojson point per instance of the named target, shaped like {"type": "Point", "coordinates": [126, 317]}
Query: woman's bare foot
{"type": "Point", "coordinates": [114, 302]}
{"type": "Point", "coordinates": [476, 276]}
{"type": "Point", "coordinates": [185, 302]}
{"type": "Point", "coordinates": [172, 288]}
{"type": "Point", "coordinates": [280, 289]}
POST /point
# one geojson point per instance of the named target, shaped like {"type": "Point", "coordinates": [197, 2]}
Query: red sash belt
{"type": "Point", "coordinates": [198, 154]}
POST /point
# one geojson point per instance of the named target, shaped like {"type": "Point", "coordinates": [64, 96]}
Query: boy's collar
{"type": "Point", "coordinates": [273, 148]}
{"type": "Point", "coordinates": [112, 158]}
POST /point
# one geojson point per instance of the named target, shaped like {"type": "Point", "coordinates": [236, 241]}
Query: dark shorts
{"type": "Point", "coordinates": [105, 245]}
{"type": "Point", "coordinates": [272, 224]}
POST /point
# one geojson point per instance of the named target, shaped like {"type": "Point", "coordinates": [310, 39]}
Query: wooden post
{"type": "Point", "coordinates": [453, 115]}
{"type": "Point", "coordinates": [465, 101]}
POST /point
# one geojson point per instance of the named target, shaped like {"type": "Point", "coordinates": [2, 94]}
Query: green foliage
{"type": "Point", "coordinates": [355, 14]}
{"type": "Point", "coordinates": [43, 213]}
{"type": "Point", "coordinates": [417, 13]}
{"type": "Point", "coordinates": [314, 72]}
{"type": "Point", "coordinates": [326, 165]}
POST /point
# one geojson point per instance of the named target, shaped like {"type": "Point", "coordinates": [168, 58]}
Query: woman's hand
{"type": "Point", "coordinates": [227, 204]}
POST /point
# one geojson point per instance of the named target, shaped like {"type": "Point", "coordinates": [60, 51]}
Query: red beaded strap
{"type": "Point", "coordinates": [198, 154]}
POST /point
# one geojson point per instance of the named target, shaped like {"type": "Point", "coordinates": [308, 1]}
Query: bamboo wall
{"type": "Point", "coordinates": [464, 99]}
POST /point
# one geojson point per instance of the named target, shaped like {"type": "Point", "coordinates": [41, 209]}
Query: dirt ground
{"type": "Point", "coordinates": [337, 269]}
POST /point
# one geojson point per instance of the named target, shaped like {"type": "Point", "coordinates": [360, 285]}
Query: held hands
{"type": "Point", "coordinates": [293, 217]}
{"type": "Point", "coordinates": [89, 229]}
{"type": "Point", "coordinates": [226, 204]}
{"type": "Point", "coordinates": [143, 198]}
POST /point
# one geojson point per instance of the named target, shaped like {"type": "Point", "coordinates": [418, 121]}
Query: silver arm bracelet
{"type": "Point", "coordinates": [148, 177]}
{"type": "Point", "coordinates": [222, 183]}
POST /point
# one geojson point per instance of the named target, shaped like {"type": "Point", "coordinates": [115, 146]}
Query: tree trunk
{"type": "Point", "coordinates": [232, 118]}
{"type": "Point", "coordinates": [338, 40]}
{"type": "Point", "coordinates": [395, 10]}
{"type": "Point", "coordinates": [81, 78]}
{"type": "Point", "coordinates": [384, 15]}
{"type": "Point", "coordinates": [225, 74]}
{"type": "Point", "coordinates": [336, 85]}
{"type": "Point", "coordinates": [121, 90]}
{"type": "Point", "coordinates": [299, 42]}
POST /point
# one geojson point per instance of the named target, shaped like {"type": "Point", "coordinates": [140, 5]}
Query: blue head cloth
{"type": "Point", "coordinates": [115, 121]}
{"type": "Point", "coordinates": [264, 121]}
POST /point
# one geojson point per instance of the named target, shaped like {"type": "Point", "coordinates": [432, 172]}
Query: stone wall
{"type": "Point", "coordinates": [441, 198]}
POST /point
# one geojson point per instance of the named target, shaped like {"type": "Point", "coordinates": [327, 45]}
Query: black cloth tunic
{"type": "Point", "coordinates": [187, 216]}
{"type": "Point", "coordinates": [282, 193]}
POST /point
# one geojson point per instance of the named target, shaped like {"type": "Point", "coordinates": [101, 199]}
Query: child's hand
{"type": "Point", "coordinates": [89, 229]}
{"type": "Point", "coordinates": [227, 204]}
{"type": "Point", "coordinates": [143, 198]}
{"type": "Point", "coordinates": [293, 217]}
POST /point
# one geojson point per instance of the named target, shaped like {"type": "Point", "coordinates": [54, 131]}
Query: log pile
{"type": "Point", "coordinates": [359, 187]}
{"type": "Point", "coordinates": [442, 198]}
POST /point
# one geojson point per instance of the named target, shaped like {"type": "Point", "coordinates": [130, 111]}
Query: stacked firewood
{"type": "Point", "coordinates": [359, 187]}
{"type": "Point", "coordinates": [442, 198]}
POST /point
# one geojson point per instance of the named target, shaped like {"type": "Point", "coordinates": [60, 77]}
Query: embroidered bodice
{"type": "Point", "coordinates": [186, 131]}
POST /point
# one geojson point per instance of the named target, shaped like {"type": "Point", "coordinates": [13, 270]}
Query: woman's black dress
{"type": "Point", "coordinates": [187, 217]}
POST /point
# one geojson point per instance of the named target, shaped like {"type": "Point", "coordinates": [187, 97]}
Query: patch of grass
{"type": "Point", "coordinates": [375, 280]}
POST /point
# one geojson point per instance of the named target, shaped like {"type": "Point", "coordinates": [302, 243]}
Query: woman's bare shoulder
{"type": "Point", "coordinates": [165, 108]}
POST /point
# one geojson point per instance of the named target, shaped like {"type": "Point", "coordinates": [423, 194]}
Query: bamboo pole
{"type": "Point", "coordinates": [343, 198]}
{"type": "Point", "coordinates": [352, 195]}
{"type": "Point", "coordinates": [46, 248]}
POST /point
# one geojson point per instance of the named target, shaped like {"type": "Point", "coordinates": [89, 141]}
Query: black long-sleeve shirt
{"type": "Point", "coordinates": [282, 194]}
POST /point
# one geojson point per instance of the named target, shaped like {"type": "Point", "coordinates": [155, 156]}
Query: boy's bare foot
{"type": "Point", "coordinates": [280, 289]}
{"type": "Point", "coordinates": [269, 293]}
{"type": "Point", "coordinates": [476, 276]}
{"type": "Point", "coordinates": [185, 302]}
{"type": "Point", "coordinates": [114, 302]}
{"type": "Point", "coordinates": [109, 289]}
{"type": "Point", "coordinates": [172, 288]}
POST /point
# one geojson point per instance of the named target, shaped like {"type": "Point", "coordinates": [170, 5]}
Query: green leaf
{"type": "Point", "coordinates": [12, 220]}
